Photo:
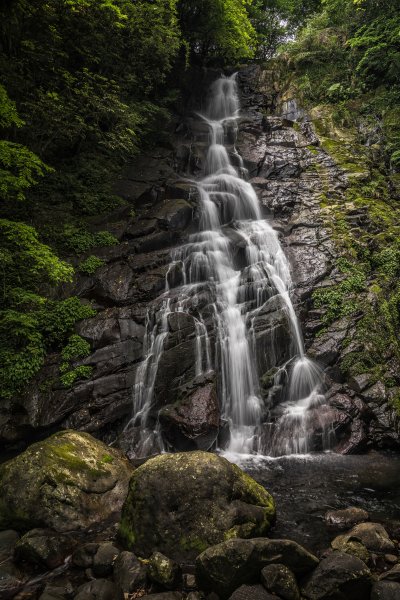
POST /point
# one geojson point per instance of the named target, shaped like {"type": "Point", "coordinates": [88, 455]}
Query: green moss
{"type": "Point", "coordinates": [107, 458]}
{"type": "Point", "coordinates": [81, 372]}
{"type": "Point", "coordinates": [189, 543]}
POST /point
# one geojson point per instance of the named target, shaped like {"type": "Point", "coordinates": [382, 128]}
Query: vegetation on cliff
{"type": "Point", "coordinates": [86, 84]}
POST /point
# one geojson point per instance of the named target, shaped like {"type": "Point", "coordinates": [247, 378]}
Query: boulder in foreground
{"type": "Point", "coordinates": [68, 482]}
{"type": "Point", "coordinates": [180, 504]}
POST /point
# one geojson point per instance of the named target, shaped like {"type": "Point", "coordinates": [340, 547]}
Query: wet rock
{"type": "Point", "coordinates": [192, 423]}
{"type": "Point", "coordinates": [129, 572]}
{"type": "Point", "coordinates": [163, 596]}
{"type": "Point", "coordinates": [164, 571]}
{"type": "Point", "coordinates": [113, 283]}
{"type": "Point", "coordinates": [280, 580]}
{"type": "Point", "coordinates": [8, 539]}
{"type": "Point", "coordinates": [83, 556]}
{"type": "Point", "coordinates": [57, 592]}
{"type": "Point", "coordinates": [374, 537]}
{"type": "Point", "coordinates": [351, 545]}
{"type": "Point", "coordinates": [225, 567]}
{"type": "Point", "coordinates": [44, 547]}
{"type": "Point", "coordinates": [103, 560]}
{"type": "Point", "coordinates": [392, 575]}
{"type": "Point", "coordinates": [251, 592]}
{"type": "Point", "coordinates": [175, 214]}
{"type": "Point", "coordinates": [99, 589]}
{"type": "Point", "coordinates": [10, 582]}
{"type": "Point", "coordinates": [180, 504]}
{"type": "Point", "coordinates": [346, 517]}
{"type": "Point", "coordinates": [69, 482]}
{"type": "Point", "coordinates": [385, 590]}
{"type": "Point", "coordinates": [339, 575]}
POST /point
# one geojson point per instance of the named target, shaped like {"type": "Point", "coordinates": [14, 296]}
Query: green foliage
{"type": "Point", "coordinates": [219, 28]}
{"type": "Point", "coordinates": [79, 239]}
{"type": "Point", "coordinates": [82, 372]}
{"type": "Point", "coordinates": [90, 265]}
{"type": "Point", "coordinates": [77, 347]}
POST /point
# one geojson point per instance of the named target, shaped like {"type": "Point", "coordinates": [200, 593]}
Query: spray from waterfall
{"type": "Point", "coordinates": [228, 204]}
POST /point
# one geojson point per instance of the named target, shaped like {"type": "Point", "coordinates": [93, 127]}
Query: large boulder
{"type": "Point", "coordinates": [193, 422]}
{"type": "Point", "coordinates": [68, 482]}
{"type": "Point", "coordinates": [226, 566]}
{"type": "Point", "coordinates": [180, 504]}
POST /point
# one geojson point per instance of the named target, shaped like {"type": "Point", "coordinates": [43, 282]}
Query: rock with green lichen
{"type": "Point", "coordinates": [180, 504]}
{"type": "Point", "coordinates": [68, 482]}
{"type": "Point", "coordinates": [164, 571]}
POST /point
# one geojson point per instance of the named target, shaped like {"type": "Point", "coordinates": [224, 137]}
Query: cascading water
{"type": "Point", "coordinates": [240, 285]}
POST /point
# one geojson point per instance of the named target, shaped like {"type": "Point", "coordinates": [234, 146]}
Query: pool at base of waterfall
{"type": "Point", "coordinates": [306, 487]}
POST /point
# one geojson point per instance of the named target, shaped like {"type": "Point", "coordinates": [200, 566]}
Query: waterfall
{"type": "Point", "coordinates": [239, 289]}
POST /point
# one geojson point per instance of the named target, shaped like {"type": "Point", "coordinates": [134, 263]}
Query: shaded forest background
{"type": "Point", "coordinates": [86, 84]}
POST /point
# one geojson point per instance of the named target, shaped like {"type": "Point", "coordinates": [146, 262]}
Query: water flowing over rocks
{"type": "Point", "coordinates": [289, 171]}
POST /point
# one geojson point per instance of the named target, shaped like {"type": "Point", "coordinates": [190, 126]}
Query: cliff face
{"type": "Point", "coordinates": [301, 186]}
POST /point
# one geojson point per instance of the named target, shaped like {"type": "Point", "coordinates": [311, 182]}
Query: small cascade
{"type": "Point", "coordinates": [236, 260]}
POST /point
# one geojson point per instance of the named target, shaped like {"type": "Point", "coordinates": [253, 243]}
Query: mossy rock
{"type": "Point", "coordinates": [68, 482]}
{"type": "Point", "coordinates": [180, 504]}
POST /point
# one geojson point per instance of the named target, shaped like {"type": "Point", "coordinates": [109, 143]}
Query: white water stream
{"type": "Point", "coordinates": [229, 207]}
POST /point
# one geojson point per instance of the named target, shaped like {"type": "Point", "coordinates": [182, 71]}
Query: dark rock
{"type": "Point", "coordinates": [103, 560]}
{"type": "Point", "coordinates": [164, 571]}
{"type": "Point", "coordinates": [192, 423]}
{"type": "Point", "coordinates": [44, 547]}
{"type": "Point", "coordinates": [129, 572]}
{"type": "Point", "coordinates": [175, 214]}
{"type": "Point", "coordinates": [280, 580]}
{"type": "Point", "coordinates": [57, 592]}
{"type": "Point", "coordinates": [68, 482]}
{"type": "Point", "coordinates": [10, 583]}
{"type": "Point", "coordinates": [228, 565]}
{"type": "Point", "coordinates": [83, 556]}
{"type": "Point", "coordinates": [338, 576]}
{"type": "Point", "coordinates": [163, 596]}
{"type": "Point", "coordinates": [392, 575]}
{"type": "Point", "coordinates": [180, 504]}
{"type": "Point", "coordinates": [346, 517]}
{"type": "Point", "coordinates": [251, 592]}
{"type": "Point", "coordinates": [8, 539]}
{"type": "Point", "coordinates": [99, 589]}
{"type": "Point", "coordinates": [385, 590]}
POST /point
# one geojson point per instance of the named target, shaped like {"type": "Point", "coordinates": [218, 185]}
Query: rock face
{"type": "Point", "coordinates": [69, 482]}
{"type": "Point", "coordinates": [179, 504]}
{"type": "Point", "coordinates": [294, 177]}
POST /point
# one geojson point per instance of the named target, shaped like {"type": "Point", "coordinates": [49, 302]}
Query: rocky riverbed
{"type": "Point", "coordinates": [79, 522]}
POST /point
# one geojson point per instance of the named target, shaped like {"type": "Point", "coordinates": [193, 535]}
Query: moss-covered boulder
{"type": "Point", "coordinates": [180, 504]}
{"type": "Point", "coordinates": [68, 482]}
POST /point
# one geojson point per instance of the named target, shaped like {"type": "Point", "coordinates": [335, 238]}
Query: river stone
{"type": "Point", "coordinates": [351, 545]}
{"type": "Point", "coordinates": [44, 547]}
{"type": "Point", "coordinates": [346, 517]}
{"type": "Point", "coordinates": [251, 592]}
{"type": "Point", "coordinates": [339, 576]}
{"type": "Point", "coordinates": [104, 559]}
{"type": "Point", "coordinates": [68, 482]}
{"type": "Point", "coordinates": [280, 580]}
{"type": "Point", "coordinates": [392, 575]}
{"type": "Point", "coordinates": [385, 590]}
{"type": "Point", "coordinates": [164, 571]}
{"type": "Point", "coordinates": [129, 572]}
{"type": "Point", "coordinates": [374, 537]}
{"type": "Point", "coordinates": [192, 423]}
{"type": "Point", "coordinates": [180, 504]}
{"type": "Point", "coordinates": [8, 539]}
{"type": "Point", "coordinates": [163, 596]}
{"type": "Point", "coordinates": [226, 566]}
{"type": "Point", "coordinates": [99, 589]}
{"type": "Point", "coordinates": [83, 557]}
{"type": "Point", "coordinates": [56, 592]}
